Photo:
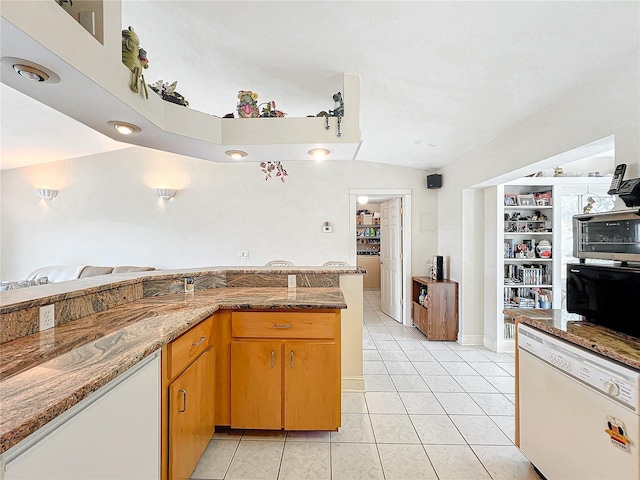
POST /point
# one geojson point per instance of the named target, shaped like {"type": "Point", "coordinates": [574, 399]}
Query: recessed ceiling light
{"type": "Point", "coordinates": [236, 154]}
{"type": "Point", "coordinates": [363, 199]}
{"type": "Point", "coordinates": [319, 153]}
{"type": "Point", "coordinates": [30, 73]}
{"type": "Point", "coordinates": [125, 128]}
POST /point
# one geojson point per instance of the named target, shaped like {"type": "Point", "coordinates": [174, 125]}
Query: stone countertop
{"type": "Point", "coordinates": [570, 327]}
{"type": "Point", "coordinates": [44, 374]}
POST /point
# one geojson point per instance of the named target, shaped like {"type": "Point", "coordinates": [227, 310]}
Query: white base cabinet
{"type": "Point", "coordinates": [112, 434]}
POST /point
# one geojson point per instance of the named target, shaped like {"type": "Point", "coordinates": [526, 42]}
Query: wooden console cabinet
{"type": "Point", "coordinates": [437, 317]}
{"type": "Point", "coordinates": [285, 370]}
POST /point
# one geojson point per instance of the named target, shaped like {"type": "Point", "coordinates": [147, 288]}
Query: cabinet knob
{"type": "Point", "coordinates": [184, 401]}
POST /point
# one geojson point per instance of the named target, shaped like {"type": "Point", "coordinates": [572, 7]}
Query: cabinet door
{"type": "Point", "coordinates": [256, 385]}
{"type": "Point", "coordinates": [191, 415]}
{"type": "Point", "coordinates": [311, 386]}
{"type": "Point", "coordinates": [443, 312]}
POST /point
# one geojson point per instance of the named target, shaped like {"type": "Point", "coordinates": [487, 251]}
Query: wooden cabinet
{"type": "Point", "coordinates": [437, 316]}
{"type": "Point", "coordinates": [285, 370]}
{"type": "Point", "coordinates": [188, 400]}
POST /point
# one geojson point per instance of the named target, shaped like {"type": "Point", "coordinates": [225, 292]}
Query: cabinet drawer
{"type": "Point", "coordinates": [186, 348]}
{"type": "Point", "coordinates": [284, 325]}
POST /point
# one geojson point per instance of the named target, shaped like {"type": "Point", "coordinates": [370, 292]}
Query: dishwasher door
{"type": "Point", "coordinates": [564, 426]}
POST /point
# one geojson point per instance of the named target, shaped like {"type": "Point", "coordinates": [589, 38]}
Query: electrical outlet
{"type": "Point", "coordinates": [291, 281]}
{"type": "Point", "coordinates": [47, 317]}
{"type": "Point", "coordinates": [243, 254]}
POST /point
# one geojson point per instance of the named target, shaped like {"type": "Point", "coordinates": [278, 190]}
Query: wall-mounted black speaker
{"type": "Point", "coordinates": [434, 181]}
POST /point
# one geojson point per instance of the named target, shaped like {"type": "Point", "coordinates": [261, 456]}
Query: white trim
{"type": "Point", "coordinates": [474, 339]}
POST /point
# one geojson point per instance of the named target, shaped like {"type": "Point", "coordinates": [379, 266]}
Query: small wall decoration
{"type": "Point", "coordinates": [247, 104]}
{"type": "Point", "coordinates": [338, 111]}
{"type": "Point", "coordinates": [269, 167]}
{"type": "Point", "coordinates": [168, 92]}
{"type": "Point", "coordinates": [135, 58]}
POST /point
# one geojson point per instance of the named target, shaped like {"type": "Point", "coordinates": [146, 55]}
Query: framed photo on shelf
{"type": "Point", "coordinates": [510, 199]}
{"type": "Point", "coordinates": [543, 199]}
{"type": "Point", "coordinates": [526, 201]}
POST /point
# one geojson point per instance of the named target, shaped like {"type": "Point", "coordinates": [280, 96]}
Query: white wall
{"type": "Point", "coordinates": [107, 213]}
{"type": "Point", "coordinates": [606, 105]}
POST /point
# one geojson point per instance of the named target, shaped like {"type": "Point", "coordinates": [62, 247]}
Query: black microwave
{"type": "Point", "coordinates": [605, 295]}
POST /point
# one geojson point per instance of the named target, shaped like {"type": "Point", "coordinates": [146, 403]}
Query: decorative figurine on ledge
{"type": "Point", "coordinates": [168, 92]}
{"type": "Point", "coordinates": [268, 167]}
{"type": "Point", "coordinates": [247, 105]}
{"type": "Point", "coordinates": [135, 58]}
{"type": "Point", "coordinates": [338, 111]}
{"type": "Point", "coordinates": [269, 110]}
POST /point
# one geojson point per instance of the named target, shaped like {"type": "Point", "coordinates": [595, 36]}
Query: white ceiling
{"type": "Point", "coordinates": [437, 78]}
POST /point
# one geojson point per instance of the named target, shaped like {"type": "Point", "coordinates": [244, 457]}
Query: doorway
{"type": "Point", "coordinates": [384, 247]}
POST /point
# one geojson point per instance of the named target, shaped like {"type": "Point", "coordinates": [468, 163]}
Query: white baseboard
{"type": "Point", "coordinates": [353, 384]}
{"type": "Point", "coordinates": [471, 340]}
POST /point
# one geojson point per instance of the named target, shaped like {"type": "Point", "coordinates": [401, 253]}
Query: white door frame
{"type": "Point", "coordinates": [405, 193]}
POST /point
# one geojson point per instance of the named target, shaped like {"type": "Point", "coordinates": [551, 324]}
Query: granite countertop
{"type": "Point", "coordinates": [570, 327]}
{"type": "Point", "coordinates": [44, 374]}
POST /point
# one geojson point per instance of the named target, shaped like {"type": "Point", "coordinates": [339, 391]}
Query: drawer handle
{"type": "Point", "coordinates": [291, 358]}
{"type": "Point", "coordinates": [184, 401]}
{"type": "Point", "coordinates": [273, 359]}
{"type": "Point", "coordinates": [202, 339]}
{"type": "Point", "coordinates": [282, 325]}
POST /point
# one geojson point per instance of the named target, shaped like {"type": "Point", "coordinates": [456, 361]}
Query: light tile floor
{"type": "Point", "coordinates": [431, 410]}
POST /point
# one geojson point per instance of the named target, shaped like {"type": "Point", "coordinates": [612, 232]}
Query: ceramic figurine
{"type": "Point", "coordinates": [168, 92]}
{"type": "Point", "coordinates": [247, 105]}
{"type": "Point", "coordinates": [135, 58]}
{"type": "Point", "coordinates": [338, 111]}
{"type": "Point", "coordinates": [269, 110]}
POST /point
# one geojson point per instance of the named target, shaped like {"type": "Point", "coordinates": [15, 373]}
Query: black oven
{"type": "Point", "coordinates": [605, 295]}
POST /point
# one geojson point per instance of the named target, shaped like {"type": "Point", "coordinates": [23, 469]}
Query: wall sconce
{"type": "Point", "coordinates": [319, 153]}
{"type": "Point", "coordinates": [166, 193]}
{"type": "Point", "coordinates": [46, 193]}
{"type": "Point", "coordinates": [236, 154]}
{"type": "Point", "coordinates": [125, 128]}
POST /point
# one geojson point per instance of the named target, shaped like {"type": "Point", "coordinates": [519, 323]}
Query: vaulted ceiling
{"type": "Point", "coordinates": [437, 79]}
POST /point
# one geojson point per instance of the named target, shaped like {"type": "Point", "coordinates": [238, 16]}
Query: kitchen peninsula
{"type": "Point", "coordinates": [106, 327]}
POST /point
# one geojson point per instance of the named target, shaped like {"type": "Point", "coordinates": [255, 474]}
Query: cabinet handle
{"type": "Point", "coordinates": [184, 401]}
{"type": "Point", "coordinates": [273, 359]}
{"type": "Point", "coordinates": [282, 325]}
{"type": "Point", "coordinates": [202, 339]}
{"type": "Point", "coordinates": [291, 358]}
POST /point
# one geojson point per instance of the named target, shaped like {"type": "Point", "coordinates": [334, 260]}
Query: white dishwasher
{"type": "Point", "coordinates": [578, 411]}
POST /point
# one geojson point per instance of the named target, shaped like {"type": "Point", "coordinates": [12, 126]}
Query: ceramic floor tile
{"type": "Point", "coordinates": [393, 429]}
{"type": "Point", "coordinates": [474, 384]}
{"type": "Point", "coordinates": [503, 384]}
{"type": "Point", "coordinates": [441, 383]}
{"type": "Point", "coordinates": [456, 462]}
{"type": "Point", "coordinates": [379, 335]}
{"type": "Point", "coordinates": [458, 403]}
{"type": "Point", "coordinates": [494, 403]}
{"type": "Point", "coordinates": [256, 460]}
{"type": "Point", "coordinates": [353, 402]}
{"type": "Point", "coordinates": [429, 368]}
{"type": "Point", "coordinates": [355, 428]}
{"type": "Point", "coordinates": [306, 460]}
{"type": "Point", "coordinates": [510, 367]}
{"type": "Point", "coordinates": [378, 383]}
{"type": "Point", "coordinates": [371, 356]}
{"type": "Point", "coordinates": [511, 397]}
{"type": "Point", "coordinates": [355, 461]}
{"type": "Point", "coordinates": [436, 430]}
{"type": "Point", "coordinates": [308, 436]}
{"type": "Point", "coordinates": [489, 369]}
{"type": "Point", "coordinates": [374, 368]}
{"type": "Point", "coordinates": [471, 356]}
{"type": "Point", "coordinates": [400, 368]}
{"type": "Point", "coordinates": [367, 344]}
{"type": "Point", "coordinates": [384, 402]}
{"type": "Point", "coordinates": [215, 460]}
{"type": "Point", "coordinates": [455, 346]}
{"type": "Point", "coordinates": [505, 463]}
{"type": "Point", "coordinates": [499, 357]}
{"type": "Point", "coordinates": [507, 425]}
{"type": "Point", "coordinates": [433, 346]}
{"type": "Point", "coordinates": [387, 345]}
{"type": "Point", "coordinates": [411, 345]}
{"type": "Point", "coordinates": [393, 356]}
{"type": "Point", "coordinates": [446, 356]}
{"type": "Point", "coordinates": [266, 435]}
{"type": "Point", "coordinates": [421, 403]}
{"type": "Point", "coordinates": [479, 430]}
{"type": "Point", "coordinates": [405, 462]}
{"type": "Point", "coordinates": [420, 356]}
{"type": "Point", "coordinates": [401, 333]}
{"type": "Point", "coordinates": [458, 368]}
{"type": "Point", "coordinates": [409, 383]}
